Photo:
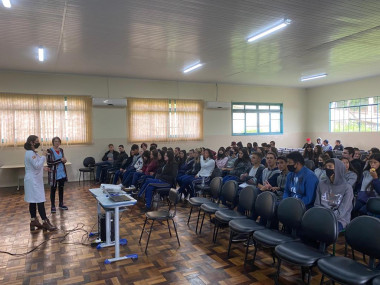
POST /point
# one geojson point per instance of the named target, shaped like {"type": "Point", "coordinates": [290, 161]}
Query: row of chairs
{"type": "Point", "coordinates": [304, 230]}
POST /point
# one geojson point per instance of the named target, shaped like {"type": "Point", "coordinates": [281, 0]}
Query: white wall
{"type": "Point", "coordinates": [109, 124]}
{"type": "Point", "coordinates": [317, 104]}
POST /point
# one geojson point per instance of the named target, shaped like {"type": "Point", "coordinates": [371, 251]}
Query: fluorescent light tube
{"type": "Point", "coordinates": [41, 56]}
{"type": "Point", "coordinates": [192, 68]}
{"type": "Point", "coordinates": [7, 3]}
{"type": "Point", "coordinates": [283, 24]}
{"type": "Point", "coordinates": [311, 77]}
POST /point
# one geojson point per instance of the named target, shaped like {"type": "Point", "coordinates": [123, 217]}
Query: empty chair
{"type": "Point", "coordinates": [362, 234]}
{"type": "Point", "coordinates": [319, 226]}
{"type": "Point", "coordinates": [247, 199]}
{"type": "Point", "coordinates": [373, 206]}
{"type": "Point", "coordinates": [229, 191]}
{"type": "Point", "coordinates": [162, 215]}
{"type": "Point", "coordinates": [264, 207]}
{"type": "Point", "coordinates": [215, 190]}
{"type": "Point", "coordinates": [89, 167]}
{"type": "Point", "coordinates": [376, 281]}
{"type": "Point", "coordinates": [290, 212]}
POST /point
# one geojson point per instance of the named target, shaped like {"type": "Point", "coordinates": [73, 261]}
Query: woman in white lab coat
{"type": "Point", "coordinates": [34, 184]}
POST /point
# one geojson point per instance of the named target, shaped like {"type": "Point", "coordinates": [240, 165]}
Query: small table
{"type": "Point", "coordinates": [107, 204]}
{"type": "Point", "coordinates": [20, 173]}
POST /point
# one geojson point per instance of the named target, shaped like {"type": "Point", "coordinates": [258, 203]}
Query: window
{"type": "Point", "coordinates": [164, 120]}
{"type": "Point", "coordinates": [68, 117]}
{"type": "Point", "coordinates": [355, 115]}
{"type": "Point", "coordinates": [256, 118]}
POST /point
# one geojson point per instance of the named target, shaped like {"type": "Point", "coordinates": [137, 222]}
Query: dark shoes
{"type": "Point", "coordinates": [53, 210]}
{"type": "Point", "coordinates": [63, 207]}
{"type": "Point", "coordinates": [35, 224]}
{"type": "Point", "coordinates": [48, 226]}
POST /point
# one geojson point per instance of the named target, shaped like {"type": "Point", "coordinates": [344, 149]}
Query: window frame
{"type": "Point", "coordinates": [257, 111]}
{"type": "Point", "coordinates": [346, 105]}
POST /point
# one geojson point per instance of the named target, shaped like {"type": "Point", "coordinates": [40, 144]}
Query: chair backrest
{"type": "Point", "coordinates": [89, 161]}
{"type": "Point", "coordinates": [362, 234]}
{"type": "Point", "coordinates": [216, 187]}
{"type": "Point", "coordinates": [265, 206]}
{"type": "Point", "coordinates": [173, 201]}
{"type": "Point", "coordinates": [229, 191]}
{"type": "Point", "coordinates": [290, 212]}
{"type": "Point", "coordinates": [373, 205]}
{"type": "Point", "coordinates": [247, 198]}
{"type": "Point", "coordinates": [320, 225]}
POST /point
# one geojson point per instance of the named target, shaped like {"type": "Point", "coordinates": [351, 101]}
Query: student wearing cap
{"type": "Point", "coordinates": [308, 143]}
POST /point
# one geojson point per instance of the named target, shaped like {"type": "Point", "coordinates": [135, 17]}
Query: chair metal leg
{"type": "Point", "coordinates": [200, 229]}
{"type": "Point", "coordinates": [176, 233]}
{"type": "Point", "coordinates": [216, 228]}
{"type": "Point", "coordinates": [229, 243]}
{"type": "Point", "coordinates": [246, 249]}
{"type": "Point", "coordinates": [150, 232]}
{"type": "Point", "coordinates": [255, 252]}
{"type": "Point", "coordinates": [170, 232]}
{"type": "Point", "coordinates": [277, 277]}
{"type": "Point", "coordinates": [322, 278]}
{"type": "Point", "coordinates": [308, 275]}
{"type": "Point", "coordinates": [146, 219]}
{"type": "Point", "coordinates": [303, 274]}
{"type": "Point", "coordinates": [191, 210]}
{"type": "Point", "coordinates": [196, 228]}
{"type": "Point", "coordinates": [345, 249]}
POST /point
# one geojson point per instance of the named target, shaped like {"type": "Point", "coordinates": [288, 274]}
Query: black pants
{"type": "Point", "coordinates": [60, 183]}
{"type": "Point", "coordinates": [41, 210]}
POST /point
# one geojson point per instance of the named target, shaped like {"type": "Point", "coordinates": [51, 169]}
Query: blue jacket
{"type": "Point", "coordinates": [302, 185]}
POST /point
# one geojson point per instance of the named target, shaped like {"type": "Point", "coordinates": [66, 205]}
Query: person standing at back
{"type": "Point", "coordinates": [34, 184]}
{"type": "Point", "coordinates": [57, 173]}
{"type": "Point", "coordinates": [301, 182]}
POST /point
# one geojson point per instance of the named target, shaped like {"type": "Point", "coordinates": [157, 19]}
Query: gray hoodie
{"type": "Point", "coordinates": [336, 196]}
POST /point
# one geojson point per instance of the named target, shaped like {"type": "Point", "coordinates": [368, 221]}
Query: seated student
{"type": "Point", "coordinates": [231, 161]}
{"type": "Point", "coordinates": [308, 143]}
{"type": "Point", "coordinates": [221, 158]}
{"type": "Point", "coordinates": [249, 148]}
{"type": "Point", "coordinates": [143, 147]}
{"type": "Point", "coordinates": [370, 184]}
{"type": "Point", "coordinates": [254, 173]}
{"type": "Point", "coordinates": [181, 161]}
{"type": "Point", "coordinates": [350, 174]}
{"type": "Point", "coordinates": [116, 163]}
{"type": "Point", "coordinates": [177, 151]}
{"type": "Point", "coordinates": [320, 170]}
{"type": "Point", "coordinates": [128, 180]}
{"type": "Point", "coordinates": [149, 171]}
{"type": "Point", "coordinates": [370, 152]}
{"type": "Point", "coordinates": [255, 146]}
{"type": "Point", "coordinates": [301, 182]}
{"type": "Point", "coordinates": [167, 176]}
{"type": "Point", "coordinates": [326, 146]}
{"type": "Point", "coordinates": [335, 193]}
{"type": "Point", "coordinates": [185, 180]}
{"type": "Point", "coordinates": [319, 142]}
{"type": "Point", "coordinates": [134, 155]}
{"type": "Point", "coordinates": [144, 183]}
{"type": "Point", "coordinates": [308, 153]}
{"type": "Point", "coordinates": [338, 145]}
{"type": "Point", "coordinates": [132, 169]}
{"type": "Point", "coordinates": [316, 153]}
{"type": "Point", "coordinates": [108, 158]}
{"type": "Point", "coordinates": [187, 164]}
{"type": "Point", "coordinates": [204, 174]}
{"type": "Point", "coordinates": [269, 176]}
{"type": "Point", "coordinates": [357, 165]}
{"type": "Point", "coordinates": [241, 165]}
{"type": "Point", "coordinates": [282, 164]}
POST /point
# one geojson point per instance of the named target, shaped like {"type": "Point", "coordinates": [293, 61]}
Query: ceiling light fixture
{"type": "Point", "coordinates": [272, 29]}
{"type": "Point", "coordinates": [191, 68]}
{"type": "Point", "coordinates": [7, 3]}
{"type": "Point", "coordinates": [41, 56]}
{"type": "Point", "coordinates": [311, 77]}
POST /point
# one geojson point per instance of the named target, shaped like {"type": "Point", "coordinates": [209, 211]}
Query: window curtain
{"type": "Point", "coordinates": [68, 117]}
{"type": "Point", "coordinates": [164, 120]}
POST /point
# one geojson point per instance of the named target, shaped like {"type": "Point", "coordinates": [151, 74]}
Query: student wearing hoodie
{"type": "Point", "coordinates": [350, 174]}
{"type": "Point", "coordinates": [335, 193]}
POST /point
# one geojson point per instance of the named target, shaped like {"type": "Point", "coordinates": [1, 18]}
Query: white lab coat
{"type": "Point", "coordinates": [33, 180]}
